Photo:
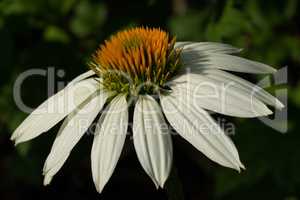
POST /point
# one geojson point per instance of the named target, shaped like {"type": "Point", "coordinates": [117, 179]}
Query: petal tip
{"type": "Point", "coordinates": [268, 112]}
{"type": "Point", "coordinates": [239, 167]}
{"type": "Point", "coordinates": [12, 137]}
{"type": "Point", "coordinates": [273, 70]}
{"type": "Point", "coordinates": [263, 112]}
{"type": "Point", "coordinates": [242, 166]}
{"type": "Point", "coordinates": [157, 185]}
{"type": "Point", "coordinates": [15, 135]}
{"type": "Point", "coordinates": [279, 105]}
{"type": "Point", "coordinates": [47, 180]}
{"type": "Point", "coordinates": [99, 187]}
{"type": "Point", "coordinates": [16, 142]}
{"type": "Point", "coordinates": [162, 184]}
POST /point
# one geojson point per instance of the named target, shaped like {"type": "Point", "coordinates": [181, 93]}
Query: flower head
{"type": "Point", "coordinates": [136, 60]}
{"type": "Point", "coordinates": [138, 63]}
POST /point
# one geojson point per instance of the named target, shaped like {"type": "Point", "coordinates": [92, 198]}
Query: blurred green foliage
{"type": "Point", "coordinates": [63, 33]}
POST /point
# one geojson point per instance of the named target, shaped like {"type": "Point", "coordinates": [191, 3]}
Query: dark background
{"type": "Point", "coordinates": [64, 33]}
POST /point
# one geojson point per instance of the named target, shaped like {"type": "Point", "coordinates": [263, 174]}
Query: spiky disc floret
{"type": "Point", "coordinates": [137, 60]}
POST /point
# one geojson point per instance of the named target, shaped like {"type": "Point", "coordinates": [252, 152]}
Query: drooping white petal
{"type": "Point", "coordinates": [152, 140]}
{"type": "Point", "coordinates": [82, 76]}
{"type": "Point", "coordinates": [200, 60]}
{"type": "Point", "coordinates": [51, 172]}
{"type": "Point", "coordinates": [55, 109]}
{"type": "Point", "coordinates": [197, 127]}
{"type": "Point", "coordinates": [244, 85]}
{"type": "Point", "coordinates": [73, 128]}
{"type": "Point", "coordinates": [108, 142]}
{"type": "Point", "coordinates": [207, 47]}
{"type": "Point", "coordinates": [218, 96]}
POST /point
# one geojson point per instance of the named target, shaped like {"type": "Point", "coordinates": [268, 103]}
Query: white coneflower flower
{"type": "Point", "coordinates": [140, 63]}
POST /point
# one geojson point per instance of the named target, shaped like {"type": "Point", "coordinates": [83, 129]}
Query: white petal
{"type": "Point", "coordinates": [218, 96]}
{"type": "Point", "coordinates": [108, 142]}
{"type": "Point", "coordinates": [152, 140]}
{"type": "Point", "coordinates": [49, 175]}
{"type": "Point", "coordinates": [73, 128]}
{"type": "Point", "coordinates": [208, 47]}
{"type": "Point", "coordinates": [244, 85]}
{"type": "Point", "coordinates": [82, 76]}
{"type": "Point", "coordinates": [200, 60]}
{"type": "Point", "coordinates": [197, 127]}
{"type": "Point", "coordinates": [182, 44]}
{"type": "Point", "coordinates": [55, 109]}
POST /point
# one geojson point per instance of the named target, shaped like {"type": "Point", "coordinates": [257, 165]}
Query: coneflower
{"type": "Point", "coordinates": [169, 83]}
